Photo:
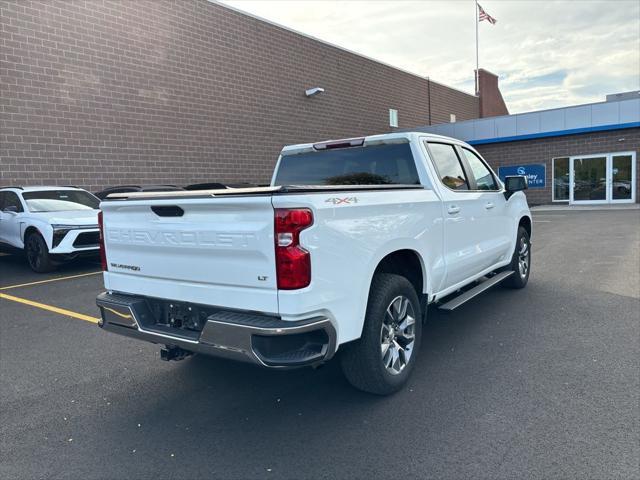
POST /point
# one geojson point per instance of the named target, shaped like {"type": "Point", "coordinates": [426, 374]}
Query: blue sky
{"type": "Point", "coordinates": [547, 53]}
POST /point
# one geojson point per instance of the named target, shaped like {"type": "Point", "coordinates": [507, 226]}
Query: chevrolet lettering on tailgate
{"type": "Point", "coordinates": [193, 239]}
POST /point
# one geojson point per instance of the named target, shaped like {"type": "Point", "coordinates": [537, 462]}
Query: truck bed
{"type": "Point", "coordinates": [279, 190]}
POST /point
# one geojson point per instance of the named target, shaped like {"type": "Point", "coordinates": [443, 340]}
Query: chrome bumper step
{"type": "Point", "coordinates": [246, 336]}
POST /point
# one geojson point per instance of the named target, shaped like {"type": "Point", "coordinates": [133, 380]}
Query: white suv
{"type": "Point", "coordinates": [51, 224]}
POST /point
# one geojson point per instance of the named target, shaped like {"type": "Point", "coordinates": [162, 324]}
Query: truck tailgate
{"type": "Point", "coordinates": [209, 250]}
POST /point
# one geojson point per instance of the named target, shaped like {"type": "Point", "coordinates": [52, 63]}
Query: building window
{"type": "Point", "coordinates": [452, 117]}
{"type": "Point", "coordinates": [560, 180]}
{"type": "Point", "coordinates": [393, 118]}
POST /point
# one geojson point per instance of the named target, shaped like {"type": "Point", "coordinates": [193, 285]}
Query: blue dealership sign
{"type": "Point", "coordinates": [535, 173]}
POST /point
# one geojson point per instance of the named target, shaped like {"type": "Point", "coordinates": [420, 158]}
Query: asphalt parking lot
{"type": "Point", "coordinates": [537, 383]}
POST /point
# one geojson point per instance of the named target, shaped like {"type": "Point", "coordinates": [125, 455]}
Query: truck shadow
{"type": "Point", "coordinates": [189, 400]}
{"type": "Point", "coordinates": [477, 368]}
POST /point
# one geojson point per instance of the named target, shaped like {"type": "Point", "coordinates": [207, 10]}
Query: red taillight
{"type": "Point", "coordinates": [293, 263]}
{"type": "Point", "coordinates": [103, 256]}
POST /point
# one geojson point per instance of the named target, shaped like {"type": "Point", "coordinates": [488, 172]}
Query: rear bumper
{"type": "Point", "coordinates": [260, 339]}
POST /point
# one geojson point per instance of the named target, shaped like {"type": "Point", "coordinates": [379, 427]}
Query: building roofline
{"type": "Point", "coordinates": [554, 122]}
{"type": "Point", "coordinates": [488, 71]}
{"type": "Point", "coordinates": [556, 133]}
{"type": "Point", "coordinates": [333, 45]}
{"type": "Point", "coordinates": [544, 110]}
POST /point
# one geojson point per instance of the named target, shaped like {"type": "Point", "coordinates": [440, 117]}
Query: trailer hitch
{"type": "Point", "coordinates": [174, 353]}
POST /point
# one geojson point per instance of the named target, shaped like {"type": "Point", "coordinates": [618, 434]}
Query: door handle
{"type": "Point", "coordinates": [489, 205]}
{"type": "Point", "coordinates": [453, 209]}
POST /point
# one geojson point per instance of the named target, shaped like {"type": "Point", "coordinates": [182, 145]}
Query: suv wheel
{"type": "Point", "coordinates": [382, 359]}
{"type": "Point", "coordinates": [38, 254]}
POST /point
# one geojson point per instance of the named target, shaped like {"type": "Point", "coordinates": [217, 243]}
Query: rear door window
{"type": "Point", "coordinates": [388, 164]}
{"type": "Point", "coordinates": [448, 166]}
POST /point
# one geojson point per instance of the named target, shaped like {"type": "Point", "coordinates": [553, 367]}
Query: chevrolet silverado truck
{"type": "Point", "coordinates": [341, 254]}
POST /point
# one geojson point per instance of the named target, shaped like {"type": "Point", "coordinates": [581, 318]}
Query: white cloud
{"type": "Point", "coordinates": [547, 54]}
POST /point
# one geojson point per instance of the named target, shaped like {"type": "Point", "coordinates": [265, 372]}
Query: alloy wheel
{"type": "Point", "coordinates": [523, 257]}
{"type": "Point", "coordinates": [397, 335]}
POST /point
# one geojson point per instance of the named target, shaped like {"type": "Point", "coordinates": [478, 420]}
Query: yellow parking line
{"type": "Point", "coordinates": [50, 280]}
{"type": "Point", "coordinates": [50, 308]}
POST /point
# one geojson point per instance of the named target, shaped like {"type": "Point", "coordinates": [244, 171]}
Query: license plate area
{"type": "Point", "coordinates": [176, 318]}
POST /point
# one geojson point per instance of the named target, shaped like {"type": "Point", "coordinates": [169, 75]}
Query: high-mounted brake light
{"type": "Point", "coordinates": [346, 143]}
{"type": "Point", "coordinates": [293, 263]}
{"type": "Point", "coordinates": [103, 255]}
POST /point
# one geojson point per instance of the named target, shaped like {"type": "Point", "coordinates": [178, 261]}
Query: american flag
{"type": "Point", "coordinates": [482, 15]}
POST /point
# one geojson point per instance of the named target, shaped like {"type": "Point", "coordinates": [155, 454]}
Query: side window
{"type": "Point", "coordinates": [448, 165]}
{"type": "Point", "coordinates": [1, 201]}
{"type": "Point", "coordinates": [12, 200]}
{"type": "Point", "coordinates": [482, 175]}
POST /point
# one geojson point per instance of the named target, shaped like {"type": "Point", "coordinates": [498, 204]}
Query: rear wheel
{"type": "Point", "coordinates": [37, 254]}
{"type": "Point", "coordinates": [382, 359]}
{"type": "Point", "coordinates": [520, 261]}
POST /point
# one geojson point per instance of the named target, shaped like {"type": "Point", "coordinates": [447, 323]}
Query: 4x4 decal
{"type": "Point", "coordinates": [344, 200]}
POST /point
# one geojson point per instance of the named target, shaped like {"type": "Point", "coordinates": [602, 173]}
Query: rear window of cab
{"type": "Point", "coordinates": [387, 164]}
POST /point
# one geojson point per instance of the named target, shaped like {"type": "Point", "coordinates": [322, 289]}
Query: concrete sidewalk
{"type": "Point", "coordinates": [563, 207]}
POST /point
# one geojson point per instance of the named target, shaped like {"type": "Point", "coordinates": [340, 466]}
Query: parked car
{"type": "Point", "coordinates": [217, 186]}
{"type": "Point", "coordinates": [622, 188]}
{"type": "Point", "coordinates": [343, 252]}
{"type": "Point", "coordinates": [102, 194]}
{"type": "Point", "coordinates": [206, 186]}
{"type": "Point", "coordinates": [50, 224]}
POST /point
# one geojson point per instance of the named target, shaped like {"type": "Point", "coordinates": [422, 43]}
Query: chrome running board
{"type": "Point", "coordinates": [478, 289]}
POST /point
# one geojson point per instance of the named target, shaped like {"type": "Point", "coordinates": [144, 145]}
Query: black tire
{"type": "Point", "coordinates": [37, 253]}
{"type": "Point", "coordinates": [520, 278]}
{"type": "Point", "coordinates": [362, 360]}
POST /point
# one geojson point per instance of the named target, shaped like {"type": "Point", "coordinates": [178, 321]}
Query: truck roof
{"type": "Point", "coordinates": [395, 137]}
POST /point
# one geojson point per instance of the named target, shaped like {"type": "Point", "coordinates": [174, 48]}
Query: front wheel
{"type": "Point", "coordinates": [38, 254]}
{"type": "Point", "coordinates": [381, 361]}
{"type": "Point", "coordinates": [520, 262]}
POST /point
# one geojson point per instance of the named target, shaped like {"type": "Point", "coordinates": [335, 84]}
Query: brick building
{"type": "Point", "coordinates": [98, 93]}
{"type": "Point", "coordinates": [585, 154]}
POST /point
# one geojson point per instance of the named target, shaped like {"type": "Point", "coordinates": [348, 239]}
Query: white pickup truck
{"type": "Point", "coordinates": [343, 252]}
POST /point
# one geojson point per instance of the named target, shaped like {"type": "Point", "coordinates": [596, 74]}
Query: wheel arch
{"type": "Point", "coordinates": [525, 222]}
{"type": "Point", "coordinates": [407, 263]}
{"type": "Point", "coordinates": [31, 229]}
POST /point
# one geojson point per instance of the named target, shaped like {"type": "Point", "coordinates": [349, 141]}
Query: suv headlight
{"type": "Point", "coordinates": [60, 231]}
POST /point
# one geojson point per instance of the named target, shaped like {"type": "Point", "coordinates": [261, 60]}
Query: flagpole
{"type": "Point", "coordinates": [477, 55]}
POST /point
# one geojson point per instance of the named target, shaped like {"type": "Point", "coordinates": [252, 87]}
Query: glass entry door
{"type": "Point", "coordinates": [589, 179]}
{"type": "Point", "coordinates": [622, 181]}
{"type": "Point", "coordinates": [606, 178]}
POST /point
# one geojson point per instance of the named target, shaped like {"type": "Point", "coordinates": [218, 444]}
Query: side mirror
{"type": "Point", "coordinates": [514, 184]}
{"type": "Point", "coordinates": [11, 209]}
